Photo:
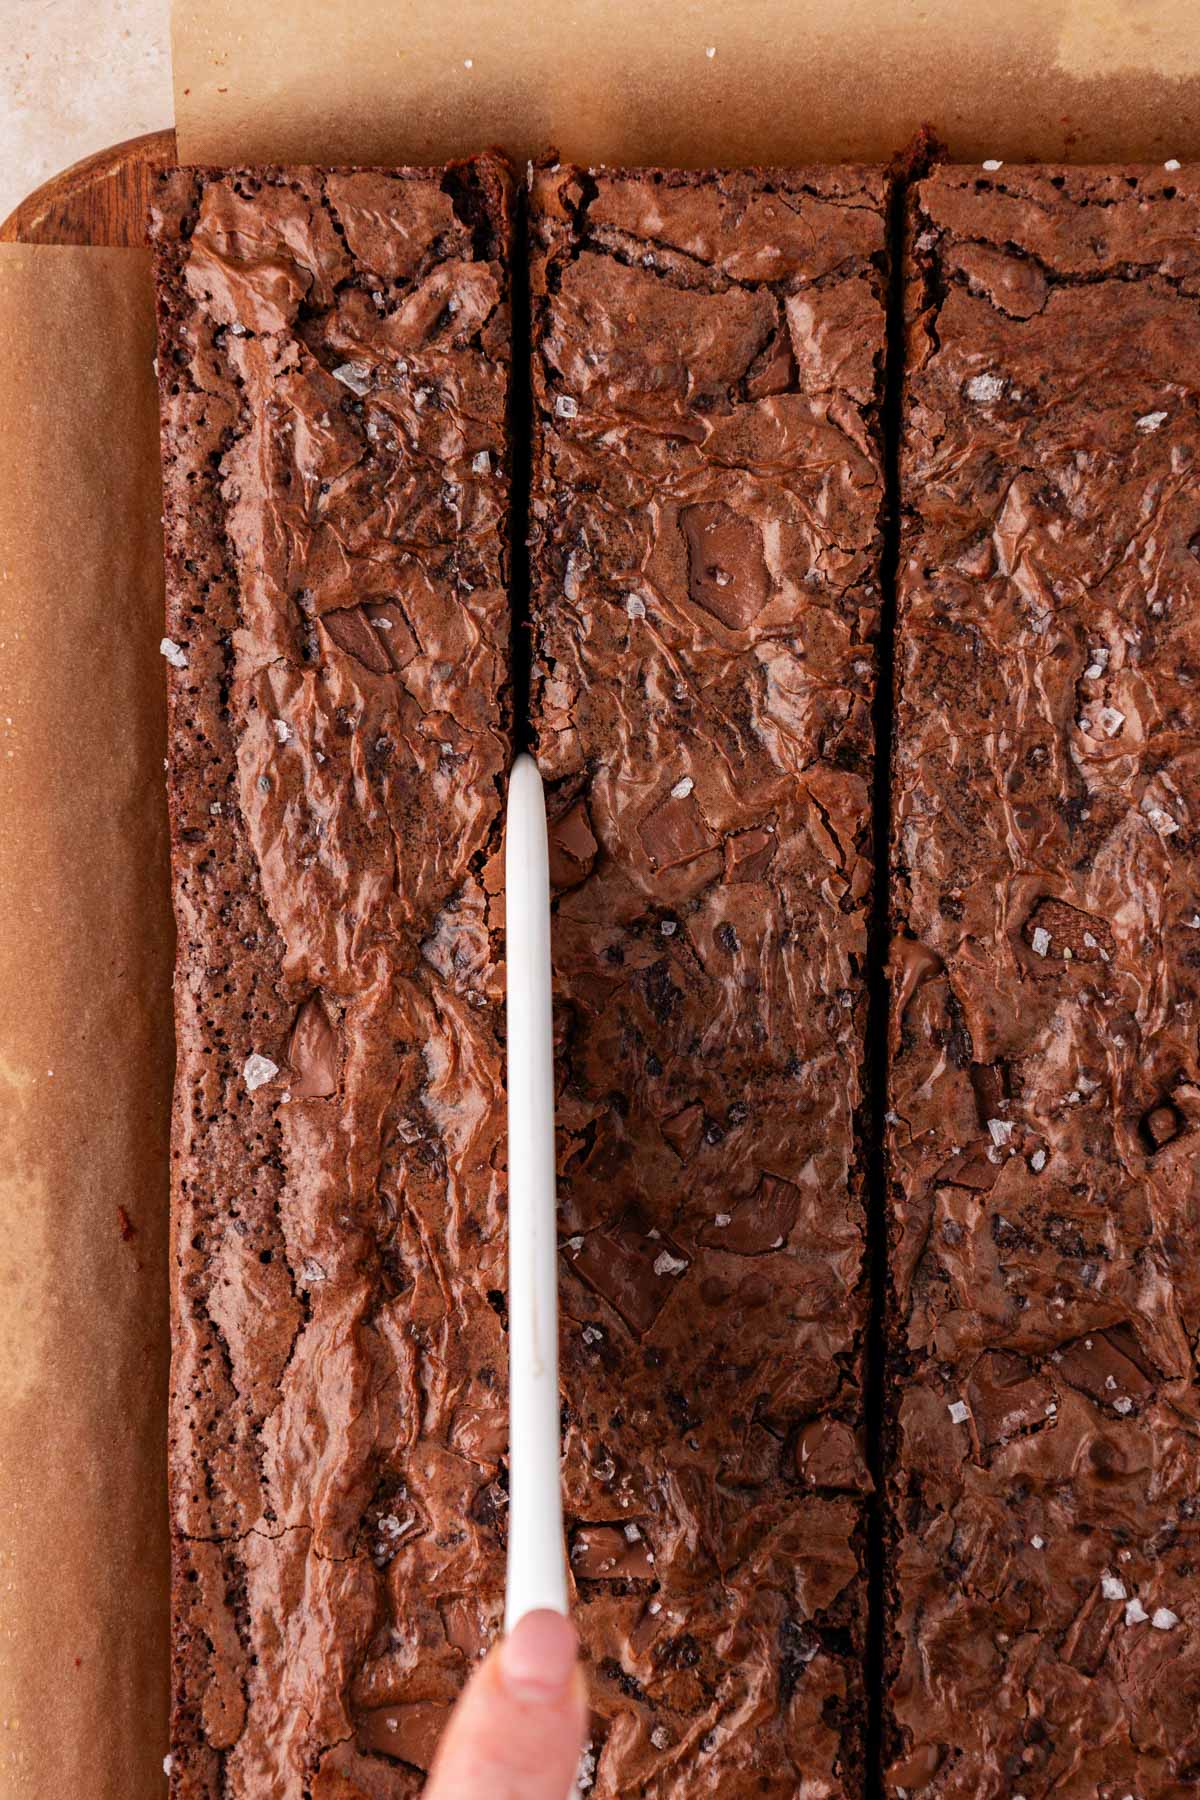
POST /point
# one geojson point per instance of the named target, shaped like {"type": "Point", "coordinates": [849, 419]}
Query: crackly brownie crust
{"type": "Point", "coordinates": [705, 512]}
{"type": "Point", "coordinates": [334, 361]}
{"type": "Point", "coordinates": [1045, 1079]}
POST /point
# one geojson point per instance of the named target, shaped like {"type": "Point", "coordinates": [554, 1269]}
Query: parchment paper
{"type": "Point", "coordinates": [85, 1034]}
{"type": "Point", "coordinates": [685, 81]}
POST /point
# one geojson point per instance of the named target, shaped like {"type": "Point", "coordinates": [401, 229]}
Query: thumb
{"type": "Point", "coordinates": [517, 1732]}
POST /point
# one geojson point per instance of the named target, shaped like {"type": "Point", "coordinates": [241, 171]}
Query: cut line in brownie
{"type": "Point", "coordinates": [1045, 1077]}
{"type": "Point", "coordinates": [334, 362]}
{"type": "Point", "coordinates": [705, 518]}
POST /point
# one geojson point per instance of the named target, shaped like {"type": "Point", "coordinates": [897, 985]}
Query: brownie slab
{"type": "Point", "coordinates": [334, 364]}
{"type": "Point", "coordinates": [706, 496]}
{"type": "Point", "coordinates": [1045, 1078]}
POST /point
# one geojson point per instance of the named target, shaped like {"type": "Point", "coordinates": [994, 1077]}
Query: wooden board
{"type": "Point", "coordinates": [101, 200]}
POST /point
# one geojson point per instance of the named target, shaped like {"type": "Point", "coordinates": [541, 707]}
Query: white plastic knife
{"type": "Point", "coordinates": [537, 1570]}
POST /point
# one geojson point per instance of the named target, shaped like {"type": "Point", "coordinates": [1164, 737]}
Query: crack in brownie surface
{"type": "Point", "coordinates": [334, 367]}
{"type": "Point", "coordinates": [1045, 1080]}
{"type": "Point", "coordinates": [705, 542]}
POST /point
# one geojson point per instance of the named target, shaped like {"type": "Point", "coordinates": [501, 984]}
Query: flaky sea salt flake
{"type": "Point", "coordinates": [1151, 421]}
{"type": "Point", "coordinates": [1112, 1587]}
{"type": "Point", "coordinates": [1037, 1161]}
{"type": "Point", "coordinates": [1135, 1612]}
{"type": "Point", "coordinates": [635, 606]}
{"type": "Point", "coordinates": [257, 1070]}
{"type": "Point", "coordinates": [1041, 940]}
{"type": "Point", "coordinates": [355, 376]}
{"type": "Point", "coordinates": [992, 164]}
{"type": "Point", "coordinates": [666, 1264]}
{"type": "Point", "coordinates": [1163, 1619]}
{"type": "Point", "coordinates": [1001, 1130]}
{"type": "Point", "coordinates": [682, 788]}
{"type": "Point", "coordinates": [1161, 819]}
{"type": "Point", "coordinates": [984, 389]}
{"type": "Point", "coordinates": [175, 654]}
{"type": "Point", "coordinates": [566, 406]}
{"type": "Point", "coordinates": [575, 563]}
{"type": "Point", "coordinates": [959, 1411]}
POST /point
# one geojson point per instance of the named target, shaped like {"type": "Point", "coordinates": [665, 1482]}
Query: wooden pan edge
{"type": "Point", "coordinates": [101, 200]}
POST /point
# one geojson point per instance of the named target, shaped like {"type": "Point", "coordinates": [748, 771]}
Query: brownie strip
{"type": "Point", "coordinates": [334, 364]}
{"type": "Point", "coordinates": [1045, 1078]}
{"type": "Point", "coordinates": [705, 509]}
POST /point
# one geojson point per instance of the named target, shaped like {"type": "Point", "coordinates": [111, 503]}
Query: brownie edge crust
{"type": "Point", "coordinates": [334, 359]}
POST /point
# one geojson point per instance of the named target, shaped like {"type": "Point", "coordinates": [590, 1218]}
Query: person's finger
{"type": "Point", "coordinates": [517, 1732]}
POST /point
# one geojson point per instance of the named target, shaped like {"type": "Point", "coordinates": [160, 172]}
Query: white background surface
{"type": "Point", "coordinates": [76, 76]}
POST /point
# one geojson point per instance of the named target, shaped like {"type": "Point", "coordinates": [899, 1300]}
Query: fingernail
{"type": "Point", "coordinates": [537, 1658]}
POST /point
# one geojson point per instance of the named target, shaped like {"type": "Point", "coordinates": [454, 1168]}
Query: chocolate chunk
{"type": "Point", "coordinates": [407, 1732]}
{"type": "Point", "coordinates": [573, 847]}
{"type": "Point", "coordinates": [727, 568]}
{"type": "Point", "coordinates": [829, 1455]}
{"type": "Point", "coordinates": [352, 631]}
{"type": "Point", "coordinates": [632, 1269]}
{"type": "Point", "coordinates": [763, 1221]}
{"type": "Point", "coordinates": [910, 964]}
{"type": "Point", "coordinates": [312, 1053]}
{"type": "Point", "coordinates": [748, 854]}
{"type": "Point", "coordinates": [611, 1553]}
{"type": "Point", "coordinates": [1007, 1397]}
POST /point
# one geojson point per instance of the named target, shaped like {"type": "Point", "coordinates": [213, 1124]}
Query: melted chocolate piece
{"type": "Point", "coordinates": [1046, 1635]}
{"type": "Point", "coordinates": [705, 506]}
{"type": "Point", "coordinates": [334, 363]}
